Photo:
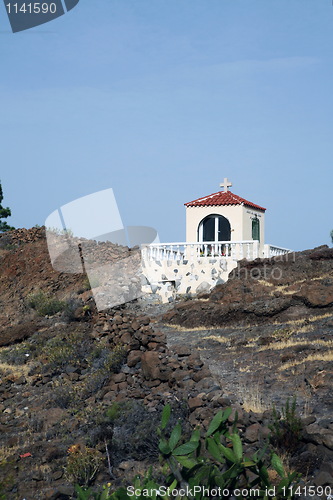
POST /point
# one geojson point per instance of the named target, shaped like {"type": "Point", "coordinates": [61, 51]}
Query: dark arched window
{"type": "Point", "coordinates": [214, 228]}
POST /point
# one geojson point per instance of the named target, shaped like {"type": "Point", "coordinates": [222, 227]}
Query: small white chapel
{"type": "Point", "coordinates": [225, 216]}
{"type": "Point", "coordinates": [221, 229]}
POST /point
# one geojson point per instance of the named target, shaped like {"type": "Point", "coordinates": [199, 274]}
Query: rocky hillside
{"type": "Point", "coordinates": [75, 379]}
{"type": "Point", "coordinates": [288, 287]}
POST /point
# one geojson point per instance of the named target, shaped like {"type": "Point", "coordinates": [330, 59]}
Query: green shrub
{"type": "Point", "coordinates": [60, 355]}
{"type": "Point", "coordinates": [286, 428]}
{"type": "Point", "coordinates": [213, 460]}
{"type": "Point", "coordinates": [17, 354]}
{"type": "Point", "coordinates": [104, 362]}
{"type": "Point", "coordinates": [95, 425]}
{"type": "Point", "coordinates": [114, 412]}
{"type": "Point", "coordinates": [217, 459]}
{"type": "Point", "coordinates": [115, 359]}
{"type": "Point", "coordinates": [88, 494]}
{"type": "Point", "coordinates": [70, 307]}
{"type": "Point", "coordinates": [65, 395]}
{"type": "Point", "coordinates": [44, 305]}
{"type": "Point", "coordinates": [130, 440]}
{"type": "Point", "coordinates": [82, 464]}
{"type": "Point", "coordinates": [94, 383]}
{"type": "Point", "coordinates": [110, 360]}
{"type": "Point", "coordinates": [61, 351]}
{"type": "Point", "coordinates": [6, 243]}
{"type": "Point", "coordinates": [130, 420]}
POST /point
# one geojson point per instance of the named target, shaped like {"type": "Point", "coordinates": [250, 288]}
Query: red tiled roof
{"type": "Point", "coordinates": [222, 198]}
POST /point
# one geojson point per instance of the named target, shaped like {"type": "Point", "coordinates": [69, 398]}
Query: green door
{"type": "Point", "coordinates": [256, 229]}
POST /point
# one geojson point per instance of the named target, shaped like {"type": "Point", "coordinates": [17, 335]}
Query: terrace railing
{"type": "Point", "coordinates": [235, 250]}
{"type": "Point", "coordinates": [274, 251]}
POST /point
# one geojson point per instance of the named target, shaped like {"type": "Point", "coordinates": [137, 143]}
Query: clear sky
{"type": "Point", "coordinates": [162, 99]}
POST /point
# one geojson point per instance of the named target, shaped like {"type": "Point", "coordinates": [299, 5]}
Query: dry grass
{"type": "Point", "coordinates": [306, 329]}
{"type": "Point", "coordinates": [45, 470]}
{"type": "Point", "coordinates": [285, 344]}
{"type": "Point", "coordinates": [266, 283]}
{"type": "Point", "coordinates": [15, 370]}
{"type": "Point", "coordinates": [246, 369]}
{"type": "Point", "coordinates": [301, 326]}
{"type": "Point", "coordinates": [252, 342]}
{"type": "Point", "coordinates": [284, 288]}
{"type": "Point", "coordinates": [6, 452]}
{"type": "Point", "coordinates": [179, 328]}
{"type": "Point", "coordinates": [221, 339]}
{"type": "Point", "coordinates": [252, 398]}
{"type": "Point", "coordinates": [320, 316]}
{"type": "Point", "coordinates": [304, 321]}
{"type": "Point", "coordinates": [326, 356]}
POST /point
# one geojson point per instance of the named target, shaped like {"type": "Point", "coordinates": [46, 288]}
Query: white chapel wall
{"type": "Point", "coordinates": [233, 213]}
{"type": "Point", "coordinates": [248, 214]}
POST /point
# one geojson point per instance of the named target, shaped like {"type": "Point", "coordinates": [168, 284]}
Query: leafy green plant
{"type": "Point", "coordinates": [88, 494]}
{"type": "Point", "coordinates": [217, 459]}
{"type": "Point", "coordinates": [214, 460]}
{"type": "Point", "coordinates": [139, 491]}
{"type": "Point", "coordinates": [286, 427]}
{"type": "Point", "coordinates": [45, 305]}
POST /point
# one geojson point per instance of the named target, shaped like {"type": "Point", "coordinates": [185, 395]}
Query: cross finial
{"type": "Point", "coordinates": [226, 184]}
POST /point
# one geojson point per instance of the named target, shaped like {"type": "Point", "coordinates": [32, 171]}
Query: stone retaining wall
{"type": "Point", "coordinates": [171, 278]}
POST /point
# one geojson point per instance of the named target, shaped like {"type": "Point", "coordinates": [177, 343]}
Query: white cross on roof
{"type": "Point", "coordinates": [226, 184]}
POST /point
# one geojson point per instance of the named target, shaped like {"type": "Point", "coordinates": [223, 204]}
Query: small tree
{"type": "Point", "coordinates": [4, 213]}
{"type": "Point", "coordinates": [332, 235]}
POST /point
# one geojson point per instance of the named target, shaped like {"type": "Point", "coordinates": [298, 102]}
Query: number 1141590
{"type": "Point", "coordinates": [32, 8]}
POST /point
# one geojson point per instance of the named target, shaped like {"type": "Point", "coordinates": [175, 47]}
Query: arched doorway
{"type": "Point", "coordinates": [214, 228]}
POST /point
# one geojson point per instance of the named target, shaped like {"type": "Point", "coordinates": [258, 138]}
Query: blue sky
{"type": "Point", "coordinates": [162, 99]}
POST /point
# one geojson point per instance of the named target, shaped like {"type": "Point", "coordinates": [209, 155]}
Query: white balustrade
{"type": "Point", "coordinates": [235, 250]}
{"type": "Point", "coordinates": [274, 251]}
